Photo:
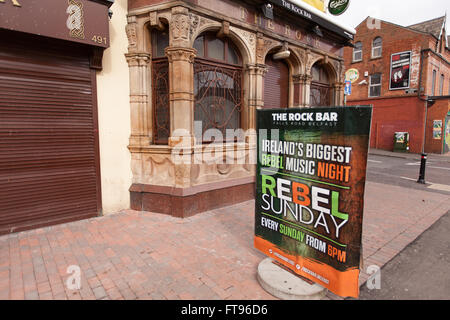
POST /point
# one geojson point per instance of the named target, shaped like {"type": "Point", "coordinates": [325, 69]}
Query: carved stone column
{"type": "Point", "coordinates": [338, 90]}
{"type": "Point", "coordinates": [180, 27]}
{"type": "Point", "coordinates": [181, 96]}
{"type": "Point", "coordinates": [307, 90]}
{"type": "Point", "coordinates": [256, 74]}
{"type": "Point", "coordinates": [141, 125]}
{"type": "Point", "coordinates": [298, 83]}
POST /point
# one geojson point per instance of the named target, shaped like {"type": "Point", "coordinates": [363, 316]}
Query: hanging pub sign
{"type": "Point", "coordinates": [311, 173]}
{"type": "Point", "coordinates": [338, 7]}
{"type": "Point", "coordinates": [318, 4]}
{"type": "Point", "coordinates": [400, 70]}
{"type": "Point", "coordinates": [352, 75]}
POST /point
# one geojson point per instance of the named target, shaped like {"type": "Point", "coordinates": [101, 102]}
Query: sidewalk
{"type": "Point", "coordinates": [142, 255]}
{"type": "Point", "coordinates": [411, 156]}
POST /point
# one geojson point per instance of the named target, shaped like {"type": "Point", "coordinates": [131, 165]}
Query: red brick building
{"type": "Point", "coordinates": [404, 72]}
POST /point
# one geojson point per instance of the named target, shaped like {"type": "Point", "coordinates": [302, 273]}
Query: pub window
{"type": "Point", "coordinates": [377, 47]}
{"type": "Point", "coordinates": [160, 87]}
{"type": "Point", "coordinates": [357, 52]}
{"type": "Point", "coordinates": [375, 85]}
{"type": "Point", "coordinates": [321, 91]}
{"type": "Point", "coordinates": [217, 84]}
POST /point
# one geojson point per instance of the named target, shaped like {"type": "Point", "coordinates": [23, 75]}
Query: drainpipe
{"type": "Point", "coordinates": [422, 99]}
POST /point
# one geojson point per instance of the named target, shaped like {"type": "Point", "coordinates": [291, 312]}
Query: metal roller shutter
{"type": "Point", "coordinates": [48, 139]}
{"type": "Point", "coordinates": [276, 84]}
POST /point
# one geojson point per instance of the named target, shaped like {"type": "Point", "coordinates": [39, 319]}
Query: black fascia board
{"type": "Point", "coordinates": [312, 18]}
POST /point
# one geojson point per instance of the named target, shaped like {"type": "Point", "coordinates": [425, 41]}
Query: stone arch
{"type": "Point", "coordinates": [327, 65]}
{"type": "Point", "coordinates": [294, 61]}
{"type": "Point", "coordinates": [233, 35]}
{"type": "Point", "coordinates": [328, 91]}
{"type": "Point", "coordinates": [295, 67]}
{"type": "Point", "coordinates": [163, 22]}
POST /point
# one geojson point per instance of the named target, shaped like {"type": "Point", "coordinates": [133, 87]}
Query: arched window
{"type": "Point", "coordinates": [217, 84]}
{"type": "Point", "coordinates": [357, 52]}
{"type": "Point", "coordinates": [321, 90]}
{"type": "Point", "coordinates": [377, 47]}
{"type": "Point", "coordinates": [160, 87]}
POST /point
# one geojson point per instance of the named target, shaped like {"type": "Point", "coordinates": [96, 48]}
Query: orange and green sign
{"type": "Point", "coordinates": [352, 75]}
{"type": "Point", "coordinates": [311, 174]}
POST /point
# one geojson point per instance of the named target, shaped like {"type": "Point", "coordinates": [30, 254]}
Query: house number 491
{"type": "Point", "coordinates": [99, 39]}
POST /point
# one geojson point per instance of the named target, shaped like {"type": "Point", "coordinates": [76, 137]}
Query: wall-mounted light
{"type": "Point", "coordinates": [110, 13]}
{"type": "Point", "coordinates": [284, 53]}
{"type": "Point", "coordinates": [317, 31]}
{"type": "Point", "coordinates": [267, 10]}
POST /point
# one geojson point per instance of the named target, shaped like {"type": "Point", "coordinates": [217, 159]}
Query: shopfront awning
{"type": "Point", "coordinates": [316, 17]}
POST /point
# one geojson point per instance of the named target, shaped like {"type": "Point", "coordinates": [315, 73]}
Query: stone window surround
{"type": "Point", "coordinates": [154, 173]}
{"type": "Point", "coordinates": [140, 21]}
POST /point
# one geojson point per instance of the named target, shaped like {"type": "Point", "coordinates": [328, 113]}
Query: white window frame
{"type": "Point", "coordinates": [374, 85]}
{"type": "Point", "coordinates": [359, 51]}
{"type": "Point", "coordinates": [380, 48]}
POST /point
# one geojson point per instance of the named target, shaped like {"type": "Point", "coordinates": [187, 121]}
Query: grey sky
{"type": "Point", "coordinates": [402, 12]}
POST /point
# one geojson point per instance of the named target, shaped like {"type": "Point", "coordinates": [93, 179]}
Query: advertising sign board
{"type": "Point", "coordinates": [311, 173]}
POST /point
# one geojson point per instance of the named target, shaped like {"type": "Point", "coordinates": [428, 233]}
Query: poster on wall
{"type": "Point", "coordinates": [447, 134]}
{"type": "Point", "coordinates": [437, 129]}
{"type": "Point", "coordinates": [311, 174]}
{"type": "Point", "coordinates": [400, 70]}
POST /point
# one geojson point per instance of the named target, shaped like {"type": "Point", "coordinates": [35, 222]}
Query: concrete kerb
{"type": "Point", "coordinates": [408, 156]}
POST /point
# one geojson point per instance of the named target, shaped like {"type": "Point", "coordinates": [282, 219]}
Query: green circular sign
{"type": "Point", "coordinates": [338, 7]}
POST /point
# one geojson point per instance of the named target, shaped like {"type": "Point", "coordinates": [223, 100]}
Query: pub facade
{"type": "Point", "coordinates": [198, 72]}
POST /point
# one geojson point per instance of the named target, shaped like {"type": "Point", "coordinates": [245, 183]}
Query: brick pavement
{"type": "Point", "coordinates": [142, 255]}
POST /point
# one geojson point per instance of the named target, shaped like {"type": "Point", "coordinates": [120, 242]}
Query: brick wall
{"type": "Point", "coordinates": [395, 39]}
{"type": "Point", "coordinates": [392, 115]}
{"type": "Point", "coordinates": [434, 62]}
{"type": "Point", "coordinates": [438, 111]}
{"type": "Point", "coordinates": [396, 110]}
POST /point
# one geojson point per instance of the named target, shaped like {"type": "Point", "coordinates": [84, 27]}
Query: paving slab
{"type": "Point", "coordinates": [144, 255]}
